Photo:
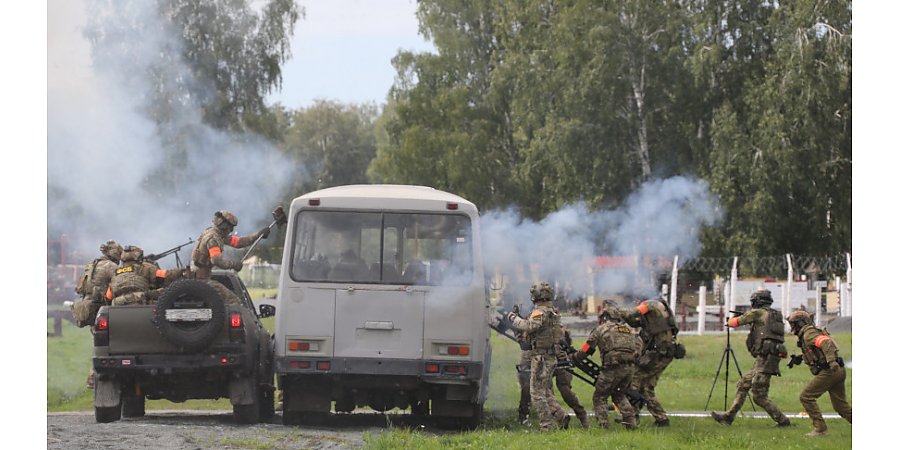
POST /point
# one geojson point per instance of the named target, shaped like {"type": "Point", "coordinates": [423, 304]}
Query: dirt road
{"type": "Point", "coordinates": [166, 430]}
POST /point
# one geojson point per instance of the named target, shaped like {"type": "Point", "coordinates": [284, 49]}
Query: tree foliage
{"type": "Point", "coordinates": [540, 103]}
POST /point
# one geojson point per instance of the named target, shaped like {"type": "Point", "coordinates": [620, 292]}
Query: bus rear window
{"type": "Point", "coordinates": [384, 248]}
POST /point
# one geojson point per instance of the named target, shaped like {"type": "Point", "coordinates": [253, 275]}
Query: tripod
{"type": "Point", "coordinates": [727, 356]}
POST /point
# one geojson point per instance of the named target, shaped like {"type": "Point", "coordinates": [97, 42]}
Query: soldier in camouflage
{"type": "Point", "coordinates": [138, 282]}
{"type": "Point", "coordinates": [619, 348]}
{"type": "Point", "coordinates": [208, 251]}
{"type": "Point", "coordinates": [766, 343]}
{"type": "Point", "coordinates": [820, 353]}
{"type": "Point", "coordinates": [97, 275]}
{"type": "Point", "coordinates": [563, 382]}
{"type": "Point", "coordinates": [544, 331]}
{"type": "Point", "coordinates": [657, 332]}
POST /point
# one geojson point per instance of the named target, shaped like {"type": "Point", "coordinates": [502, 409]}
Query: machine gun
{"type": "Point", "coordinates": [592, 370]}
{"type": "Point", "coordinates": [157, 256]}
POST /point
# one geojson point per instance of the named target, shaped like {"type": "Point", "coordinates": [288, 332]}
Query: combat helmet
{"type": "Point", "coordinates": [112, 250]}
{"type": "Point", "coordinates": [541, 291]}
{"type": "Point", "coordinates": [132, 253]}
{"type": "Point", "coordinates": [225, 220]}
{"type": "Point", "coordinates": [798, 320]}
{"type": "Point", "coordinates": [761, 298]}
{"type": "Point", "coordinates": [610, 314]}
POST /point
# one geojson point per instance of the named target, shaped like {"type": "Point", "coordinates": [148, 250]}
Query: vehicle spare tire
{"type": "Point", "coordinates": [189, 314]}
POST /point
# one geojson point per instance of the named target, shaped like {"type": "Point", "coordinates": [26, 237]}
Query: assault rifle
{"type": "Point", "coordinates": [157, 256]}
{"type": "Point", "coordinates": [501, 324]}
{"type": "Point", "coordinates": [795, 360]}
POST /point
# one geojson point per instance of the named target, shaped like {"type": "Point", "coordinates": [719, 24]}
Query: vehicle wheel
{"type": "Point", "coordinates": [108, 414]}
{"type": "Point", "coordinates": [472, 422]}
{"type": "Point", "coordinates": [133, 402]}
{"type": "Point", "coordinates": [190, 294]}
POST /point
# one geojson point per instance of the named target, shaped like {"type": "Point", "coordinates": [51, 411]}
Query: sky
{"type": "Point", "coordinates": [342, 51]}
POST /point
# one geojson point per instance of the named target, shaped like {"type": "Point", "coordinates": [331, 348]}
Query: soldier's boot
{"type": "Point", "coordinates": [662, 423]}
{"type": "Point", "coordinates": [523, 418]}
{"type": "Point", "coordinates": [90, 379]}
{"type": "Point", "coordinates": [815, 433]}
{"type": "Point", "coordinates": [583, 418]}
{"type": "Point", "coordinates": [722, 418]}
{"type": "Point", "coordinates": [784, 423]}
{"type": "Point", "coordinates": [819, 427]}
{"type": "Point", "coordinates": [564, 422]}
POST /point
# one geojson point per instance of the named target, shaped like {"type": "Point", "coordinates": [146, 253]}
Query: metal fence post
{"type": "Point", "coordinates": [701, 312]}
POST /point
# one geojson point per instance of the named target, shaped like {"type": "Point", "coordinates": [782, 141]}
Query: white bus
{"type": "Point", "coordinates": [382, 303]}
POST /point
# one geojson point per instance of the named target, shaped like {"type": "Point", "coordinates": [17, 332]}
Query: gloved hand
{"type": "Point", "coordinates": [579, 355]}
{"type": "Point", "coordinates": [263, 232]}
{"type": "Point", "coordinates": [795, 360]}
{"type": "Point", "coordinates": [512, 316]}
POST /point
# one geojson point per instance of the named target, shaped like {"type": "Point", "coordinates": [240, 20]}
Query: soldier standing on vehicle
{"type": "Point", "coordinates": [766, 343]}
{"type": "Point", "coordinates": [208, 251]}
{"type": "Point", "coordinates": [820, 353]}
{"type": "Point", "coordinates": [544, 332]}
{"type": "Point", "coordinates": [657, 332]}
{"type": "Point", "coordinates": [137, 282]}
{"type": "Point", "coordinates": [619, 348]}
{"type": "Point", "coordinates": [97, 275]}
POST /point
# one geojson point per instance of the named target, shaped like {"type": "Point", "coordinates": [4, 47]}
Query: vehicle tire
{"type": "Point", "coordinates": [190, 294]}
{"type": "Point", "coordinates": [472, 422]}
{"type": "Point", "coordinates": [133, 402]}
{"type": "Point", "coordinates": [108, 414]}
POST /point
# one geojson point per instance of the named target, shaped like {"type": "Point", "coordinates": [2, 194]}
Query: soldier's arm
{"type": "Point", "coordinates": [633, 317]}
{"type": "Point", "coordinates": [215, 255]}
{"type": "Point", "coordinates": [746, 319]}
{"type": "Point", "coordinates": [243, 241]}
{"type": "Point", "coordinates": [534, 321]}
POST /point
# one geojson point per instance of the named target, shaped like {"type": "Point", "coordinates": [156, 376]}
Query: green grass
{"type": "Point", "coordinates": [685, 386]}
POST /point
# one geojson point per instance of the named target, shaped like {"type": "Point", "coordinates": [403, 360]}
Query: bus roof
{"type": "Point", "coordinates": [389, 196]}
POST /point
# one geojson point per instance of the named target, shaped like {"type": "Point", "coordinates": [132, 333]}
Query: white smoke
{"type": "Point", "coordinates": [104, 150]}
{"type": "Point", "coordinates": [663, 218]}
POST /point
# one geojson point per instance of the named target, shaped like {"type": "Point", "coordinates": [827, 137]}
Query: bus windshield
{"type": "Point", "coordinates": [382, 247]}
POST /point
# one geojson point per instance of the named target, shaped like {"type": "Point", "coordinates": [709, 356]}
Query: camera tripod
{"type": "Point", "coordinates": [727, 356]}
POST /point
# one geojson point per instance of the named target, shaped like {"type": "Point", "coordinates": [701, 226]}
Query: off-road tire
{"type": "Point", "coordinates": [190, 336]}
{"type": "Point", "coordinates": [251, 412]}
{"type": "Point", "coordinates": [108, 414]}
{"type": "Point", "coordinates": [266, 402]}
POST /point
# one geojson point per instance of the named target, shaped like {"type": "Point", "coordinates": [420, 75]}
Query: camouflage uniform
{"type": "Point", "coordinates": [766, 343]}
{"type": "Point", "coordinates": [138, 282]}
{"type": "Point", "coordinates": [820, 353]}
{"type": "Point", "coordinates": [544, 331]}
{"type": "Point", "coordinates": [208, 251]}
{"type": "Point", "coordinates": [95, 282]}
{"type": "Point", "coordinates": [657, 332]}
{"type": "Point", "coordinates": [563, 384]}
{"type": "Point", "coordinates": [619, 349]}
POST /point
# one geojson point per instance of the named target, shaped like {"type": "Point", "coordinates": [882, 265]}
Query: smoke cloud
{"type": "Point", "coordinates": [107, 157]}
{"type": "Point", "coordinates": [663, 218]}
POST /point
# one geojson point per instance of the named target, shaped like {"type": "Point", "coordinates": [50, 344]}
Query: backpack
{"type": "Point", "coordinates": [85, 284]}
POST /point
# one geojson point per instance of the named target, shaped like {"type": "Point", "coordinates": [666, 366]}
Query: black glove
{"type": "Point", "coordinates": [795, 360]}
{"type": "Point", "coordinates": [264, 232]}
{"type": "Point", "coordinates": [512, 316]}
{"type": "Point", "coordinates": [579, 355]}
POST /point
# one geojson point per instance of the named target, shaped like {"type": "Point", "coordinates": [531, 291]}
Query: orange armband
{"type": "Point", "coordinates": [820, 340]}
{"type": "Point", "coordinates": [109, 293]}
{"type": "Point", "coordinates": [160, 273]}
{"type": "Point", "coordinates": [234, 241]}
{"type": "Point", "coordinates": [215, 252]}
{"type": "Point", "coordinates": [733, 323]}
{"type": "Point", "coordinates": [643, 308]}
{"type": "Point", "coordinates": [585, 347]}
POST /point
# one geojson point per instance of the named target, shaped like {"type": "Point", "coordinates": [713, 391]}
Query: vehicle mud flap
{"type": "Point", "coordinates": [107, 393]}
{"type": "Point", "coordinates": [308, 395]}
{"type": "Point", "coordinates": [190, 294]}
{"type": "Point", "coordinates": [241, 391]}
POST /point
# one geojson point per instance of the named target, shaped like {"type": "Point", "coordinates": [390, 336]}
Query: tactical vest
{"type": "Point", "coordinates": [618, 345]}
{"type": "Point", "coordinates": [766, 334]}
{"type": "Point", "coordinates": [813, 356]}
{"type": "Point", "coordinates": [200, 255]}
{"type": "Point", "coordinates": [659, 319]}
{"type": "Point", "coordinates": [128, 279]}
{"type": "Point", "coordinates": [549, 335]}
{"type": "Point", "coordinates": [85, 285]}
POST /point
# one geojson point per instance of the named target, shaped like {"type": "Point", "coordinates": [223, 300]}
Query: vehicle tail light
{"type": "Point", "coordinates": [223, 360]}
{"type": "Point", "coordinates": [452, 206]}
{"type": "Point", "coordinates": [455, 369]}
{"type": "Point", "coordinates": [102, 323]}
{"type": "Point", "coordinates": [460, 350]}
{"type": "Point", "coordinates": [303, 346]}
{"type": "Point", "coordinates": [300, 364]}
{"type": "Point", "coordinates": [323, 365]}
{"type": "Point", "coordinates": [314, 202]}
{"type": "Point", "coordinates": [236, 320]}
{"type": "Point", "coordinates": [431, 368]}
